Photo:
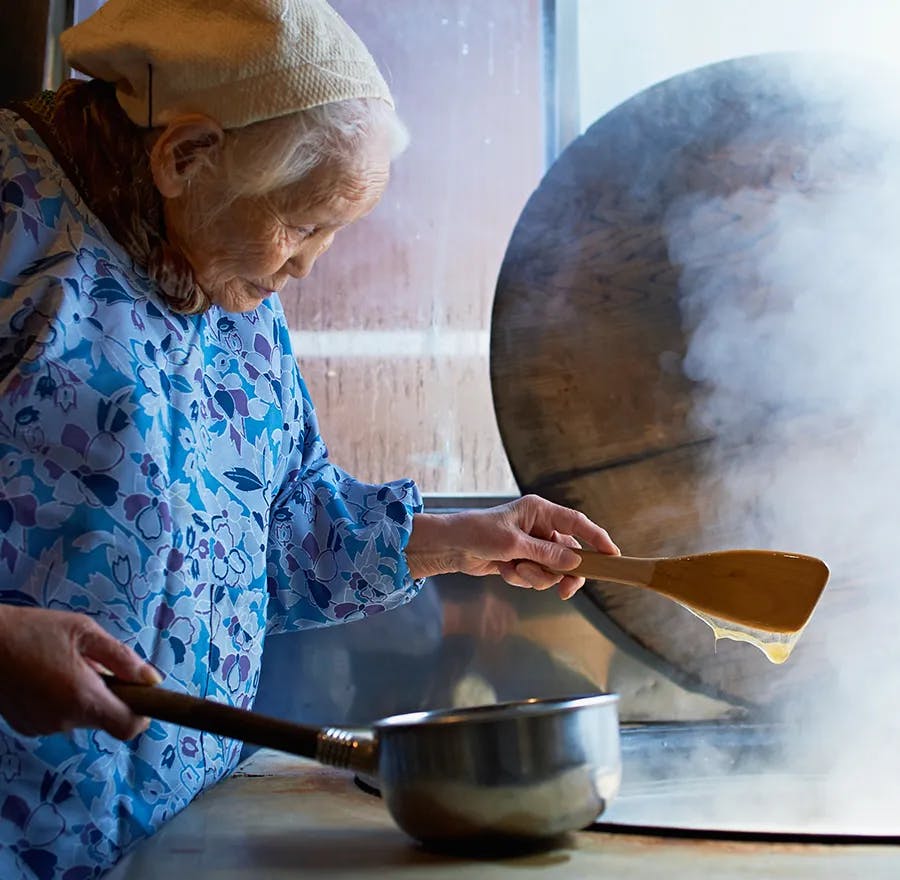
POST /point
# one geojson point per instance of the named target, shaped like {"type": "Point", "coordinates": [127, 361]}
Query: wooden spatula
{"type": "Point", "coordinates": [760, 589]}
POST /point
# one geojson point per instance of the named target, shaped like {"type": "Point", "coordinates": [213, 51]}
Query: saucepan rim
{"type": "Point", "coordinates": [507, 711]}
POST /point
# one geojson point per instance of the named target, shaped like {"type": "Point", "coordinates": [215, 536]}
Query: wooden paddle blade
{"type": "Point", "coordinates": [760, 589]}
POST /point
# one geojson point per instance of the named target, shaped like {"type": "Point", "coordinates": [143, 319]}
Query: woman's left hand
{"type": "Point", "coordinates": [519, 541]}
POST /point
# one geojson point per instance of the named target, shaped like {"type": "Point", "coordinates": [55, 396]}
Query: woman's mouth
{"type": "Point", "coordinates": [264, 291]}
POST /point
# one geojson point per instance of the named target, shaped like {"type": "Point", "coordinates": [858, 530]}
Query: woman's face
{"type": "Point", "coordinates": [257, 244]}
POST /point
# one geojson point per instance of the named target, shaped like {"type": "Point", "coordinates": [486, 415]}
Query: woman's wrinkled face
{"type": "Point", "coordinates": [256, 245]}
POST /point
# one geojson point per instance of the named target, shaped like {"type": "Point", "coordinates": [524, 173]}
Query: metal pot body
{"type": "Point", "coordinates": [515, 771]}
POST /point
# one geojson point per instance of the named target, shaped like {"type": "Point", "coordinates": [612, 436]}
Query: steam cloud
{"type": "Point", "coordinates": [791, 303]}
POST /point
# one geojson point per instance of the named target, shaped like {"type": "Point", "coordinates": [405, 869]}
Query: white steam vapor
{"type": "Point", "coordinates": [791, 302]}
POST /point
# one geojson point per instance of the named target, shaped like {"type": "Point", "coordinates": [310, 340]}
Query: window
{"type": "Point", "coordinates": [624, 47]}
{"type": "Point", "coordinates": [392, 328]}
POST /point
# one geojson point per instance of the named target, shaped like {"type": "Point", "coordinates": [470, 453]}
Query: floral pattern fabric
{"type": "Point", "coordinates": [164, 475]}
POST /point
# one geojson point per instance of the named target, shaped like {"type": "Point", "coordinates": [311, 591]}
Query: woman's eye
{"type": "Point", "coordinates": [304, 231]}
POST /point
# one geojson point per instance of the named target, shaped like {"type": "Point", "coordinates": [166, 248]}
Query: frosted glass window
{"type": "Point", "coordinates": [624, 46]}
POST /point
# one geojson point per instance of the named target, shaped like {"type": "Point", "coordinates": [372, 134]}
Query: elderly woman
{"type": "Point", "coordinates": [165, 497]}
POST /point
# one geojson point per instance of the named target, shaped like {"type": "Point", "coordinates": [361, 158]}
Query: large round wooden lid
{"type": "Point", "coordinates": [590, 331]}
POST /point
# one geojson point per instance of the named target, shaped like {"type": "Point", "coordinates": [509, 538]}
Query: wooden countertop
{"type": "Point", "coordinates": [281, 817]}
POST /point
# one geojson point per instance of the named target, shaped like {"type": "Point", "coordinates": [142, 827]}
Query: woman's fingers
{"type": "Point", "coordinates": [96, 644]}
{"type": "Point", "coordinates": [554, 557]}
{"type": "Point", "coordinates": [579, 526]}
{"type": "Point", "coordinates": [100, 707]}
{"type": "Point", "coordinates": [569, 586]}
{"type": "Point", "coordinates": [539, 578]}
{"type": "Point", "coordinates": [536, 576]}
{"type": "Point", "coordinates": [54, 657]}
{"type": "Point", "coordinates": [566, 540]}
{"type": "Point", "coordinates": [554, 517]}
{"type": "Point", "coordinates": [533, 577]}
{"type": "Point", "coordinates": [567, 530]}
{"type": "Point", "coordinates": [528, 574]}
{"type": "Point", "coordinates": [509, 571]}
{"type": "Point", "coordinates": [548, 554]}
{"type": "Point", "coordinates": [87, 702]}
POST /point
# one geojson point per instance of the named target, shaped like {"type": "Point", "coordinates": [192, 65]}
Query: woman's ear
{"type": "Point", "coordinates": [185, 145]}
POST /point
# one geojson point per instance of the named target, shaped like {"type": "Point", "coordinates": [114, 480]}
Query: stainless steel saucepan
{"type": "Point", "coordinates": [519, 771]}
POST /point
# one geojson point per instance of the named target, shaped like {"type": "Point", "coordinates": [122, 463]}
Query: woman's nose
{"type": "Point", "coordinates": [300, 265]}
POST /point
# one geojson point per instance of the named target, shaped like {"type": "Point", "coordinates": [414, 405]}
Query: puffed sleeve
{"type": "Point", "coordinates": [336, 545]}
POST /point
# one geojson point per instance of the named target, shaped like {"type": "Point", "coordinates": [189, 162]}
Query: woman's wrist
{"type": "Point", "coordinates": [430, 550]}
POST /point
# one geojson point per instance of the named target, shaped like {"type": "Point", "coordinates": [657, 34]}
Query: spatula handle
{"type": "Point", "coordinates": [619, 569]}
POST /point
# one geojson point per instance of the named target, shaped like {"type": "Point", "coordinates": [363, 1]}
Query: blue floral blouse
{"type": "Point", "coordinates": [165, 475]}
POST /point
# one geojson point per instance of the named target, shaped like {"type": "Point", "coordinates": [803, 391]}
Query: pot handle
{"type": "Point", "coordinates": [335, 746]}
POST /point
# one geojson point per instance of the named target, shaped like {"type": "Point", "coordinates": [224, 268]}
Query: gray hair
{"type": "Point", "coordinates": [263, 157]}
{"type": "Point", "coordinates": [257, 160]}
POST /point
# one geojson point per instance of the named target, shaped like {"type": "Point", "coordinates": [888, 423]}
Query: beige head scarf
{"type": "Point", "coordinates": [237, 61]}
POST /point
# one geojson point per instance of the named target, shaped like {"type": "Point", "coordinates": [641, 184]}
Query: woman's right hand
{"type": "Point", "coordinates": [49, 679]}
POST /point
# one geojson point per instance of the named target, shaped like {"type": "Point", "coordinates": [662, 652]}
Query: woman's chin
{"type": "Point", "coordinates": [239, 298]}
